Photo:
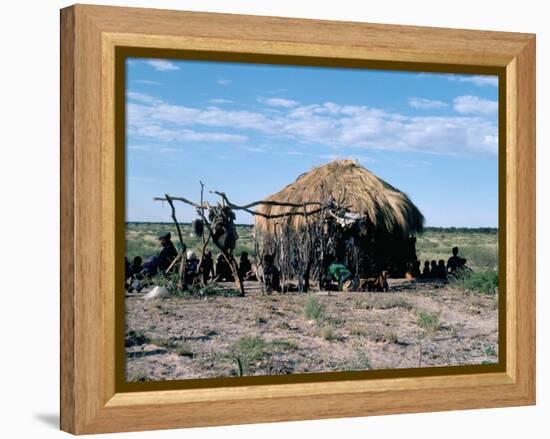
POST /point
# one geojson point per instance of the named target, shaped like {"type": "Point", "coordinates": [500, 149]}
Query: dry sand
{"type": "Point", "coordinates": [414, 325]}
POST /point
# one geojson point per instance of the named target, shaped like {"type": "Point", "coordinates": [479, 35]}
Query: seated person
{"type": "Point", "coordinates": [245, 267]}
{"type": "Point", "coordinates": [137, 267]}
{"type": "Point", "coordinates": [340, 273]}
{"type": "Point", "coordinates": [271, 274]}
{"type": "Point", "coordinates": [426, 271]}
{"type": "Point", "coordinates": [455, 262]}
{"type": "Point", "coordinates": [223, 270]}
{"type": "Point", "coordinates": [379, 283]}
{"type": "Point", "coordinates": [433, 269]}
{"type": "Point", "coordinates": [441, 270]}
{"type": "Point", "coordinates": [414, 270]}
{"type": "Point", "coordinates": [165, 257]}
{"type": "Point", "coordinates": [206, 266]}
{"type": "Point", "coordinates": [191, 267]}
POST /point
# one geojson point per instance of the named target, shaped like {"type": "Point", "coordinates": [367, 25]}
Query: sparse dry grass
{"type": "Point", "coordinates": [216, 335]}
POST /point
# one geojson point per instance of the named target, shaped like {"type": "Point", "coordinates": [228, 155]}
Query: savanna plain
{"type": "Point", "coordinates": [210, 332]}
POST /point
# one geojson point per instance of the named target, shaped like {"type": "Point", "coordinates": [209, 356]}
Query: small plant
{"type": "Point", "coordinates": [240, 371]}
{"type": "Point", "coordinates": [396, 303]}
{"type": "Point", "coordinates": [213, 289]}
{"type": "Point", "coordinates": [362, 304]}
{"type": "Point", "coordinates": [135, 338]}
{"type": "Point", "coordinates": [490, 351]}
{"type": "Point", "coordinates": [358, 362]}
{"type": "Point", "coordinates": [185, 350]}
{"type": "Point", "coordinates": [163, 342]}
{"type": "Point", "coordinates": [314, 309]}
{"type": "Point", "coordinates": [327, 333]}
{"type": "Point", "coordinates": [139, 375]}
{"type": "Point", "coordinates": [250, 350]}
{"type": "Point", "coordinates": [168, 281]}
{"type": "Point", "coordinates": [427, 321]}
{"type": "Point", "coordinates": [382, 337]}
{"type": "Point", "coordinates": [357, 330]}
{"type": "Point", "coordinates": [259, 319]}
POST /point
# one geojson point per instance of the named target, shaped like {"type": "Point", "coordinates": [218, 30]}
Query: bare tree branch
{"type": "Point", "coordinates": [264, 202]}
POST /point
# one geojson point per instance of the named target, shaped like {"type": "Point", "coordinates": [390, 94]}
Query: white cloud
{"type": "Point", "coordinates": [252, 148]}
{"type": "Point", "coordinates": [223, 81]}
{"type": "Point", "coordinates": [278, 102]}
{"type": "Point", "coordinates": [162, 65]}
{"type": "Point", "coordinates": [475, 105]}
{"type": "Point", "coordinates": [479, 80]}
{"type": "Point", "coordinates": [220, 101]}
{"type": "Point", "coordinates": [426, 104]}
{"type": "Point", "coordinates": [142, 97]}
{"type": "Point", "coordinates": [172, 134]}
{"type": "Point", "coordinates": [146, 82]}
{"type": "Point", "coordinates": [329, 124]}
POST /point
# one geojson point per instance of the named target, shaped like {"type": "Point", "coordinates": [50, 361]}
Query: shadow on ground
{"type": "Point", "coordinates": [50, 419]}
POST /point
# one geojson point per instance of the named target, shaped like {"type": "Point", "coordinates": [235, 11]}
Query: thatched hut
{"type": "Point", "coordinates": [360, 220]}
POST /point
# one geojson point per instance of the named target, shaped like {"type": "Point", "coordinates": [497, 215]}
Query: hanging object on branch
{"type": "Point", "coordinates": [198, 227]}
{"type": "Point", "coordinates": [222, 220]}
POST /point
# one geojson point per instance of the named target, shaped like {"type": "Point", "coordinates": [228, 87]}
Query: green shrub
{"type": "Point", "coordinates": [490, 351]}
{"type": "Point", "coordinates": [484, 282]}
{"type": "Point", "coordinates": [314, 309]}
{"type": "Point", "coordinates": [358, 362]}
{"type": "Point", "coordinates": [327, 333]}
{"type": "Point", "coordinates": [185, 350]}
{"type": "Point", "coordinates": [249, 350]}
{"type": "Point", "coordinates": [357, 330]}
{"type": "Point", "coordinates": [427, 321]}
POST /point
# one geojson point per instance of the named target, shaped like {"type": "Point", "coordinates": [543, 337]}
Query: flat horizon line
{"type": "Point", "coordinates": [251, 225]}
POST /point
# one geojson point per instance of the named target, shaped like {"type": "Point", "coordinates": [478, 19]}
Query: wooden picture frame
{"type": "Point", "coordinates": [91, 399]}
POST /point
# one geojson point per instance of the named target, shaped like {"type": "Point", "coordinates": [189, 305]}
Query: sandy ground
{"type": "Point", "coordinates": [413, 325]}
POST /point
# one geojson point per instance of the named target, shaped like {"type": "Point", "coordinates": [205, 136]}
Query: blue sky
{"type": "Point", "coordinates": [249, 130]}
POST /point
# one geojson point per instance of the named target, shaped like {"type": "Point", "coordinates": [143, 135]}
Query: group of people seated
{"type": "Point", "coordinates": [195, 268]}
{"type": "Point", "coordinates": [205, 269]}
{"type": "Point", "coordinates": [438, 270]}
{"type": "Point", "coordinates": [343, 277]}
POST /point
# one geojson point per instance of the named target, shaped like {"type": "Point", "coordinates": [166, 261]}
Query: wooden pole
{"type": "Point", "coordinates": [202, 211]}
{"type": "Point", "coordinates": [182, 244]}
{"type": "Point", "coordinates": [227, 256]}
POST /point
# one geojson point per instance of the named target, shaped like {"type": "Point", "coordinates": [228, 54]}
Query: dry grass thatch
{"type": "Point", "coordinates": [387, 208]}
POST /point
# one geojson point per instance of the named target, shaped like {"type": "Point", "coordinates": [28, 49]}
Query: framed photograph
{"type": "Point", "coordinates": [269, 219]}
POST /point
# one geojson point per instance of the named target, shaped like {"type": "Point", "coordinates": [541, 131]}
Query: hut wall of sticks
{"type": "Point", "coordinates": [341, 212]}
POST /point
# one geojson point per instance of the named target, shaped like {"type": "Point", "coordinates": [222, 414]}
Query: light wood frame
{"type": "Point", "coordinates": [89, 37]}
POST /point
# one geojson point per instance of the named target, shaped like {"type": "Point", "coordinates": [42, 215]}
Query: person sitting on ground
{"type": "Point", "coordinates": [245, 267]}
{"type": "Point", "coordinates": [455, 262]}
{"type": "Point", "coordinates": [191, 267]}
{"type": "Point", "coordinates": [137, 267]}
{"type": "Point", "coordinates": [271, 274]}
{"type": "Point", "coordinates": [433, 269]}
{"type": "Point", "coordinates": [223, 270]}
{"type": "Point", "coordinates": [165, 257]}
{"type": "Point", "coordinates": [441, 270]}
{"type": "Point", "coordinates": [426, 270]}
{"type": "Point", "coordinates": [206, 267]}
{"type": "Point", "coordinates": [379, 283]}
{"type": "Point", "coordinates": [414, 270]}
{"type": "Point", "coordinates": [340, 273]}
{"type": "Point", "coordinates": [134, 275]}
